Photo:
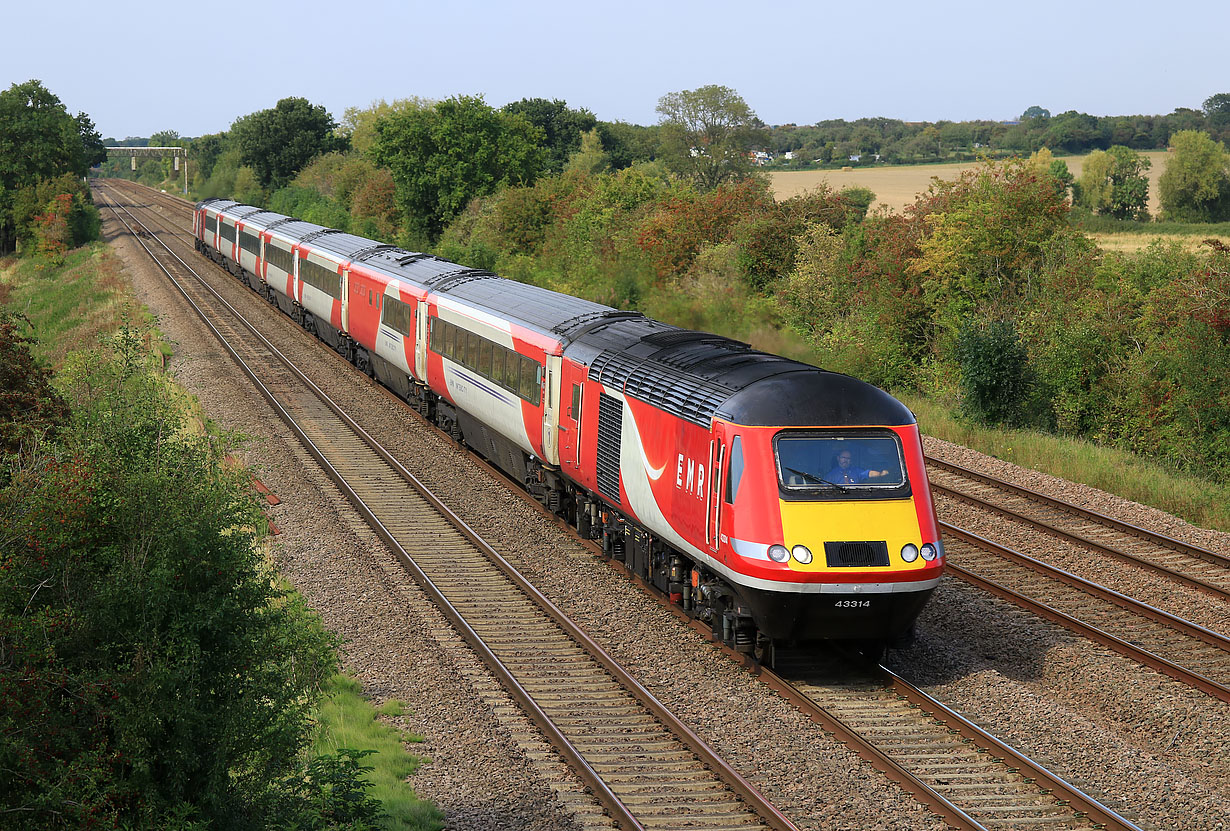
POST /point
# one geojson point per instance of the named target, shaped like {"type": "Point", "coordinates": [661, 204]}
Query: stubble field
{"type": "Point", "coordinates": [899, 185]}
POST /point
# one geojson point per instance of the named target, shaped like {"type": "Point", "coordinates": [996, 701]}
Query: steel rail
{"type": "Point", "coordinates": [698, 746]}
{"type": "Point", "coordinates": [1144, 656]}
{"type": "Point", "coordinates": [1126, 527]}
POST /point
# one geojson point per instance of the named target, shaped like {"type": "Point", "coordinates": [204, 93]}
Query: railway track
{"type": "Point", "coordinates": [963, 774]}
{"type": "Point", "coordinates": [645, 766]}
{"type": "Point", "coordinates": [1189, 565]}
{"type": "Point", "coordinates": [933, 751]}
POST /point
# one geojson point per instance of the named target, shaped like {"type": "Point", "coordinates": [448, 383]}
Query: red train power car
{"type": "Point", "coordinates": [775, 500]}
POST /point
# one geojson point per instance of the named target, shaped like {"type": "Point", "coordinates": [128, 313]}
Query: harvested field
{"type": "Point", "coordinates": [899, 185]}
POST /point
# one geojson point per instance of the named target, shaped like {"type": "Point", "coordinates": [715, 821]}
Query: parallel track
{"type": "Point", "coordinates": [1187, 564]}
{"type": "Point", "coordinates": [646, 767]}
{"type": "Point", "coordinates": [974, 781]}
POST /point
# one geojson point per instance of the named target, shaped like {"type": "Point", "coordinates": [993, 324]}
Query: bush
{"type": "Point", "coordinates": [994, 377]}
{"type": "Point", "coordinates": [153, 673]}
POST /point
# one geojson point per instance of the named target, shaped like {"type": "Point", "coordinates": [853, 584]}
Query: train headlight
{"type": "Point", "coordinates": [928, 551]}
{"type": "Point", "coordinates": [909, 552]}
{"type": "Point", "coordinates": [778, 553]}
{"type": "Point", "coordinates": [802, 554]}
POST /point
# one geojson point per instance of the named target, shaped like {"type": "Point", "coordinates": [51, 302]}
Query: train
{"type": "Point", "coordinates": [772, 500]}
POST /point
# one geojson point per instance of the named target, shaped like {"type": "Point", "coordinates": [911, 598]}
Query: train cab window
{"type": "Point", "coordinates": [828, 464]}
{"type": "Point", "coordinates": [575, 412]}
{"type": "Point", "coordinates": [734, 470]}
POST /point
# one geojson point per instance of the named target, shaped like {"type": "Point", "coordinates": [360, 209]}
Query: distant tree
{"type": "Point", "coordinates": [1195, 187]}
{"type": "Point", "coordinates": [1217, 109]}
{"type": "Point", "coordinates": [360, 124]}
{"type": "Point", "coordinates": [626, 144]}
{"type": "Point", "coordinates": [706, 134]}
{"type": "Point", "coordinates": [278, 142]}
{"type": "Point", "coordinates": [206, 150]}
{"type": "Point", "coordinates": [1076, 132]}
{"type": "Point", "coordinates": [39, 140]}
{"type": "Point", "coordinates": [589, 157]}
{"type": "Point", "coordinates": [562, 127]}
{"type": "Point", "coordinates": [166, 138]}
{"type": "Point", "coordinates": [1045, 163]}
{"type": "Point", "coordinates": [443, 157]}
{"type": "Point", "coordinates": [1114, 183]}
{"type": "Point", "coordinates": [1035, 112]}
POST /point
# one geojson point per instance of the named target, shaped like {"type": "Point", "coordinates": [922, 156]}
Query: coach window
{"type": "Point", "coordinates": [484, 358]}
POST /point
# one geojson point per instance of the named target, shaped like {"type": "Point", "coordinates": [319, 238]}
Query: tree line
{"type": "Point", "coordinates": [892, 141]}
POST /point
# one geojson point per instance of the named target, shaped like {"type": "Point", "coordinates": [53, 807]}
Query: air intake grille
{"type": "Point", "coordinates": [610, 434]}
{"type": "Point", "coordinates": [856, 554]}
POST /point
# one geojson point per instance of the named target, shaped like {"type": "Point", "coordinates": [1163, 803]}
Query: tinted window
{"type": "Point", "coordinates": [839, 462]}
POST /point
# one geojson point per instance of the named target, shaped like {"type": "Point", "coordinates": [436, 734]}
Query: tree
{"type": "Point", "coordinates": [153, 674]}
{"type": "Point", "coordinates": [359, 125]}
{"type": "Point", "coordinates": [1217, 109]}
{"type": "Point", "coordinates": [1035, 112]}
{"type": "Point", "coordinates": [39, 140]}
{"type": "Point", "coordinates": [443, 157]}
{"type": "Point", "coordinates": [562, 127]}
{"type": "Point", "coordinates": [706, 134]}
{"type": "Point", "coordinates": [278, 142]}
{"type": "Point", "coordinates": [1113, 183]}
{"type": "Point", "coordinates": [1195, 187]}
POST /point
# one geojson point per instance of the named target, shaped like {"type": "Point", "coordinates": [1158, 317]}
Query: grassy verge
{"type": "Point", "coordinates": [348, 720]}
{"type": "Point", "coordinates": [1199, 501]}
{"type": "Point", "coordinates": [73, 306]}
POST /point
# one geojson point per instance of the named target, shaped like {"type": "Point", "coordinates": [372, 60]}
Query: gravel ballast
{"type": "Point", "coordinates": [1147, 746]}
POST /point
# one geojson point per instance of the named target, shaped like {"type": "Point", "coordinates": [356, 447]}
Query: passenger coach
{"type": "Point", "coordinates": [770, 498]}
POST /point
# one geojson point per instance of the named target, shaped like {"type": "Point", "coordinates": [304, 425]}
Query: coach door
{"type": "Point", "coordinates": [420, 342]}
{"type": "Point", "coordinates": [572, 391]}
{"type": "Point", "coordinates": [713, 524]}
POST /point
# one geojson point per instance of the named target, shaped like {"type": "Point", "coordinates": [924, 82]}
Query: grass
{"type": "Point", "coordinates": [1202, 502]}
{"type": "Point", "coordinates": [347, 719]}
{"type": "Point", "coordinates": [71, 306]}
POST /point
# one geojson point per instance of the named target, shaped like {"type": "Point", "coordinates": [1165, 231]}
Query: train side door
{"type": "Point", "coordinates": [713, 507]}
{"type": "Point", "coordinates": [572, 392]}
{"type": "Point", "coordinates": [420, 342]}
{"type": "Point", "coordinates": [551, 408]}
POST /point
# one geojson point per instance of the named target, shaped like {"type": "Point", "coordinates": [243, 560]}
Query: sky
{"type": "Point", "coordinates": [138, 68]}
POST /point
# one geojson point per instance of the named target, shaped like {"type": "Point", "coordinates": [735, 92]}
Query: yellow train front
{"type": "Point", "coordinates": [827, 526]}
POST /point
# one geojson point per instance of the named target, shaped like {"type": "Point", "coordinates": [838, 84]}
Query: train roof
{"type": "Point", "coordinates": [699, 376]}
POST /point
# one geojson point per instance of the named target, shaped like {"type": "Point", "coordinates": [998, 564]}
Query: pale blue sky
{"type": "Point", "coordinates": [138, 68]}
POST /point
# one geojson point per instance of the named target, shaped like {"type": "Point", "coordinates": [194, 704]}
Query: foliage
{"type": "Point", "coordinates": [706, 134]}
{"type": "Point", "coordinates": [359, 125]}
{"type": "Point", "coordinates": [206, 150]}
{"type": "Point", "coordinates": [561, 127]}
{"type": "Point", "coordinates": [39, 140]}
{"type": "Point", "coordinates": [29, 407]}
{"type": "Point", "coordinates": [55, 215]}
{"type": "Point", "coordinates": [673, 234]}
{"type": "Point", "coordinates": [993, 371]}
{"type": "Point", "coordinates": [1195, 187]}
{"type": "Point", "coordinates": [987, 235]}
{"type": "Point", "coordinates": [443, 157]}
{"type": "Point", "coordinates": [589, 157]}
{"type": "Point", "coordinates": [1113, 182]}
{"type": "Point", "coordinates": [277, 143]}
{"type": "Point", "coordinates": [628, 144]}
{"type": "Point", "coordinates": [152, 673]}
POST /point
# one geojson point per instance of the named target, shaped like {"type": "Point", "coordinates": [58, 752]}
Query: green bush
{"type": "Point", "coordinates": [154, 675]}
{"type": "Point", "coordinates": [994, 372]}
